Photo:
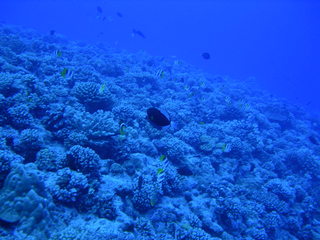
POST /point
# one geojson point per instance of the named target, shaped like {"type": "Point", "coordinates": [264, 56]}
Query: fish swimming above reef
{"type": "Point", "coordinates": [160, 73]}
{"type": "Point", "coordinates": [66, 73]}
{"type": "Point", "coordinates": [58, 53]}
{"type": "Point", "coordinates": [122, 129]}
{"type": "Point", "coordinates": [99, 10]}
{"type": "Point", "coordinates": [100, 15]}
{"type": "Point", "coordinates": [139, 33]}
{"type": "Point", "coordinates": [206, 55]}
{"type": "Point", "coordinates": [157, 118]}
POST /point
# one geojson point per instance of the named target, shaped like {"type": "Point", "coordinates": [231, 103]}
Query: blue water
{"type": "Point", "coordinates": [174, 120]}
{"type": "Point", "coordinates": [274, 42]}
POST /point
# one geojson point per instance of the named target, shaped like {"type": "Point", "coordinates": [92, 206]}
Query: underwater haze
{"type": "Point", "coordinates": [274, 43]}
{"type": "Point", "coordinates": [159, 120]}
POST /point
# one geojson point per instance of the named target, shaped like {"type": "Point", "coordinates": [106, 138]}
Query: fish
{"type": "Point", "coordinates": [176, 62]}
{"type": "Point", "coordinates": [119, 14]}
{"type": "Point", "coordinates": [227, 99]}
{"type": "Point", "coordinates": [206, 55]}
{"type": "Point", "coordinates": [313, 140]}
{"type": "Point", "coordinates": [160, 73]}
{"type": "Point", "coordinates": [226, 147]}
{"type": "Point", "coordinates": [102, 88]}
{"type": "Point", "coordinates": [139, 33]}
{"type": "Point", "coordinates": [162, 157]}
{"type": "Point", "coordinates": [100, 15]}
{"type": "Point", "coordinates": [52, 32]}
{"type": "Point", "coordinates": [157, 118]}
{"type": "Point", "coordinates": [122, 129]}
{"type": "Point", "coordinates": [202, 84]}
{"type": "Point", "coordinates": [58, 53]}
{"type": "Point", "coordinates": [99, 10]}
{"type": "Point", "coordinates": [66, 73]}
{"type": "Point", "coordinates": [186, 87]}
{"type": "Point", "coordinates": [153, 199]}
{"type": "Point", "coordinates": [247, 106]}
{"type": "Point", "coordinates": [160, 170]}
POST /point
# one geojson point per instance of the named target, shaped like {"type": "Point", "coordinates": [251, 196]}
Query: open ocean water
{"type": "Point", "coordinates": [159, 120]}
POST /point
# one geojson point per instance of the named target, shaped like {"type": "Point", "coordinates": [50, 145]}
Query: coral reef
{"type": "Point", "coordinates": [25, 202]}
{"type": "Point", "coordinates": [79, 160]}
{"type": "Point", "coordinates": [93, 95]}
{"type": "Point", "coordinates": [67, 186]}
{"type": "Point", "coordinates": [84, 160]}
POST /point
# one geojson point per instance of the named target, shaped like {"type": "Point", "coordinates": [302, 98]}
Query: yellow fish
{"type": "Point", "coordinates": [122, 129]}
{"type": "Point", "coordinates": [102, 88]}
{"type": "Point", "coordinates": [187, 87]}
{"type": "Point", "coordinates": [153, 200]}
{"type": "Point", "coordinates": [64, 72]}
{"type": "Point", "coordinates": [58, 53]}
{"type": "Point", "coordinates": [160, 170]}
{"type": "Point", "coordinates": [228, 100]}
{"type": "Point", "coordinates": [160, 73]}
{"type": "Point", "coordinates": [226, 147]}
{"type": "Point", "coordinates": [162, 157]}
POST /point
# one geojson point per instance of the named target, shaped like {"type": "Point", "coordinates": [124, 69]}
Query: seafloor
{"type": "Point", "coordinates": [79, 160]}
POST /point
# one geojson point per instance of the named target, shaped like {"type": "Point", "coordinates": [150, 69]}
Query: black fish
{"type": "Point", "coordinates": [99, 10]}
{"type": "Point", "coordinates": [119, 14]}
{"type": "Point", "coordinates": [206, 55]}
{"type": "Point", "coordinates": [313, 140]}
{"type": "Point", "coordinates": [156, 117]}
{"type": "Point", "coordinates": [52, 32]}
{"type": "Point", "coordinates": [138, 32]}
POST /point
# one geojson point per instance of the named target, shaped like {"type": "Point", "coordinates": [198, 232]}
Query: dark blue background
{"type": "Point", "coordinates": [276, 42]}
